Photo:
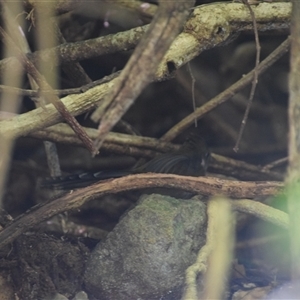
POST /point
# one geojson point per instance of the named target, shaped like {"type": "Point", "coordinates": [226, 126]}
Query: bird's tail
{"type": "Point", "coordinates": [75, 181]}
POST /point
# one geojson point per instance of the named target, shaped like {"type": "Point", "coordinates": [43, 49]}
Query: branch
{"type": "Point", "coordinates": [228, 93]}
{"type": "Point", "coordinates": [262, 211]}
{"type": "Point", "coordinates": [64, 92]}
{"type": "Point", "coordinates": [219, 239]}
{"type": "Point", "coordinates": [138, 146]}
{"type": "Point", "coordinates": [208, 26]}
{"type": "Point", "coordinates": [51, 97]}
{"type": "Point", "coordinates": [39, 118]}
{"type": "Point", "coordinates": [189, 44]}
{"type": "Point", "coordinates": [255, 78]}
{"type": "Point", "coordinates": [200, 185]}
{"type": "Point", "coordinates": [141, 67]}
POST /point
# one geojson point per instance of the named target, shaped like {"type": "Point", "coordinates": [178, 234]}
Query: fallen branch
{"type": "Point", "coordinates": [201, 185]}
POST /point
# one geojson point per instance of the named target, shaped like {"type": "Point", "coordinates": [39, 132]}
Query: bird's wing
{"type": "Point", "coordinates": [171, 164]}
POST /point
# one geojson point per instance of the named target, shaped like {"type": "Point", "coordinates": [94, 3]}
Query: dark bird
{"type": "Point", "coordinates": [191, 159]}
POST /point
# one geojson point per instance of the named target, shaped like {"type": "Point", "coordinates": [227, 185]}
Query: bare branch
{"type": "Point", "coordinates": [140, 69]}
{"type": "Point", "coordinates": [201, 185]}
{"type": "Point", "coordinates": [228, 93]}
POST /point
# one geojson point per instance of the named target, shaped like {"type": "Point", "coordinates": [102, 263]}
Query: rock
{"type": "Point", "coordinates": [147, 253]}
{"type": "Point", "coordinates": [81, 296]}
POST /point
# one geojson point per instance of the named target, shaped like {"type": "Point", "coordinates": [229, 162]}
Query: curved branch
{"type": "Point", "coordinates": [202, 185]}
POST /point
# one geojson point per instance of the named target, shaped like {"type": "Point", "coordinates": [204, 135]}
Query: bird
{"type": "Point", "coordinates": [191, 159]}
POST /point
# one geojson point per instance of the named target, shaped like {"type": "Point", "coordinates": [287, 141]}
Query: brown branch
{"type": "Point", "coordinates": [193, 89]}
{"type": "Point", "coordinates": [62, 133]}
{"type": "Point", "coordinates": [276, 163]}
{"type": "Point", "coordinates": [140, 69]}
{"type": "Point", "coordinates": [138, 146]}
{"type": "Point", "coordinates": [78, 51]}
{"type": "Point", "coordinates": [242, 170]}
{"type": "Point", "coordinates": [201, 185]}
{"type": "Point", "coordinates": [118, 148]}
{"type": "Point", "coordinates": [188, 45]}
{"type": "Point", "coordinates": [73, 70]}
{"type": "Point", "coordinates": [38, 119]}
{"type": "Point", "coordinates": [228, 93]}
{"type": "Point", "coordinates": [228, 132]}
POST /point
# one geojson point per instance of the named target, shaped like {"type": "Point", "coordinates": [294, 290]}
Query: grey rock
{"type": "Point", "coordinates": [58, 297]}
{"type": "Point", "coordinates": [147, 253]}
{"type": "Point", "coordinates": [81, 296]}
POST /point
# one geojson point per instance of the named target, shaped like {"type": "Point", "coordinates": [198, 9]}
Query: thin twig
{"type": "Point", "coordinates": [255, 77]}
{"type": "Point", "coordinates": [228, 93]}
{"type": "Point", "coordinates": [193, 89]}
{"type": "Point", "coordinates": [42, 83]}
{"type": "Point", "coordinates": [275, 163]}
{"type": "Point", "coordinates": [64, 92]}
